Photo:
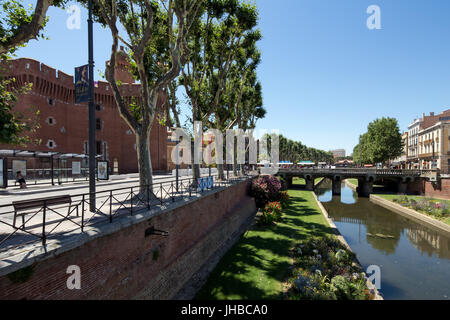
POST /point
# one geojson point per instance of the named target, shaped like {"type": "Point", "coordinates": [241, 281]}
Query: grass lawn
{"type": "Point", "coordinates": [301, 181]}
{"type": "Point", "coordinates": [353, 181]}
{"type": "Point", "coordinates": [256, 267]}
{"type": "Point", "coordinates": [391, 197]}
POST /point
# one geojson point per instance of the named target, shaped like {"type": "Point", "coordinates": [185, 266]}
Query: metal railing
{"type": "Point", "coordinates": [357, 171]}
{"type": "Point", "coordinates": [57, 221]}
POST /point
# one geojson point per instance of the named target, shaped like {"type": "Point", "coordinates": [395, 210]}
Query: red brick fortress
{"type": "Point", "coordinates": [64, 124]}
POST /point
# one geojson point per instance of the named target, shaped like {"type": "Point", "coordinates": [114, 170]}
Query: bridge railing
{"type": "Point", "coordinates": [358, 171]}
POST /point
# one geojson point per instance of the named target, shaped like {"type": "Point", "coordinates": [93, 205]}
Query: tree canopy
{"type": "Point", "coordinates": [381, 142]}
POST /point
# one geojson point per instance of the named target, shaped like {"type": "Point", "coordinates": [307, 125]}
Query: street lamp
{"type": "Point", "coordinates": [360, 157]}
{"type": "Point", "coordinates": [92, 150]}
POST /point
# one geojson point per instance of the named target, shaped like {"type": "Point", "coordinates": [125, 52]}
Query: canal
{"type": "Point", "coordinates": [414, 260]}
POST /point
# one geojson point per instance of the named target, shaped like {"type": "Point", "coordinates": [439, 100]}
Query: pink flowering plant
{"type": "Point", "coordinates": [434, 208]}
{"type": "Point", "coordinates": [265, 189]}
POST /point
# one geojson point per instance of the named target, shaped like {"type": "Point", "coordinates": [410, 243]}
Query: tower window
{"type": "Point", "coordinates": [51, 101]}
{"type": "Point", "coordinates": [98, 147]}
{"type": "Point", "coordinates": [51, 144]}
{"type": "Point", "coordinates": [51, 121]}
{"type": "Point", "coordinates": [98, 107]}
{"type": "Point", "coordinates": [98, 124]}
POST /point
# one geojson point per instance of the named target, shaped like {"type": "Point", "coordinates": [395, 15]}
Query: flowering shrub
{"type": "Point", "coordinates": [284, 198]}
{"type": "Point", "coordinates": [284, 185]}
{"type": "Point", "coordinates": [265, 189]}
{"type": "Point", "coordinates": [272, 212]}
{"type": "Point", "coordinates": [325, 270]}
{"type": "Point", "coordinates": [425, 205]}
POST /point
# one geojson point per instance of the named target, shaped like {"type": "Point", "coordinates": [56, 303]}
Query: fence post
{"type": "Point", "coordinates": [161, 198]}
{"type": "Point", "coordinates": [171, 186]}
{"type": "Point", "coordinates": [82, 215]}
{"type": "Point", "coordinates": [131, 211]}
{"type": "Point", "coordinates": [43, 223]}
{"type": "Point", "coordinates": [148, 197]}
{"type": "Point", "coordinates": [110, 206]}
{"type": "Point", "coordinates": [82, 204]}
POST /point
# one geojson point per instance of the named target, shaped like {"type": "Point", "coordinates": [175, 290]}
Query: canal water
{"type": "Point", "coordinates": [414, 260]}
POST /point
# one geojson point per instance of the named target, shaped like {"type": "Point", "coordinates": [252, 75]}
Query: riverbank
{"type": "Point", "coordinates": [400, 247]}
{"type": "Point", "coordinates": [342, 240]}
{"type": "Point", "coordinates": [258, 265]}
{"type": "Point", "coordinates": [384, 201]}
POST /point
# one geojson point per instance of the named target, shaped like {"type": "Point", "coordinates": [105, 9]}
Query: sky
{"type": "Point", "coordinates": [325, 75]}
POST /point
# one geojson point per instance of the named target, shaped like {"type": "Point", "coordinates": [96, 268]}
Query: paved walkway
{"type": "Point", "coordinates": [7, 196]}
{"type": "Point", "coordinates": [113, 199]}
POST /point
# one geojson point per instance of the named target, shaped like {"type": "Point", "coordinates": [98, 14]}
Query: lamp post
{"type": "Point", "coordinates": [360, 157]}
{"type": "Point", "coordinates": [432, 144]}
{"type": "Point", "coordinates": [92, 150]}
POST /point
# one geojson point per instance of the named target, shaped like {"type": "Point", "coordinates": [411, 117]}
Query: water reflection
{"type": "Point", "coordinates": [409, 253]}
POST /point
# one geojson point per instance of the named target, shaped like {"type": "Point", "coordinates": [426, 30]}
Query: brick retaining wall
{"type": "Point", "coordinates": [431, 189]}
{"type": "Point", "coordinates": [125, 264]}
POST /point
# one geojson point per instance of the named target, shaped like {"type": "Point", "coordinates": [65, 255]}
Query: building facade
{"type": "Point", "coordinates": [64, 124]}
{"type": "Point", "coordinates": [428, 142]}
{"type": "Point", "coordinates": [434, 146]}
{"type": "Point", "coordinates": [413, 141]}
{"type": "Point", "coordinates": [338, 153]}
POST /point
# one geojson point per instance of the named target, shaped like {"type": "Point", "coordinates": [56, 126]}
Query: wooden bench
{"type": "Point", "coordinates": [20, 207]}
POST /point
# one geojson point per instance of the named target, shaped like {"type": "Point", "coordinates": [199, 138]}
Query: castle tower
{"type": "Point", "coordinates": [123, 67]}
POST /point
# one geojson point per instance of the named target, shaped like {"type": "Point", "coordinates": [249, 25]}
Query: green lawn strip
{"type": "Point", "coordinates": [391, 197]}
{"type": "Point", "coordinates": [301, 181]}
{"type": "Point", "coordinates": [353, 181]}
{"type": "Point", "coordinates": [256, 267]}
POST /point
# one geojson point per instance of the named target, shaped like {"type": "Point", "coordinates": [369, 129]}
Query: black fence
{"type": "Point", "coordinates": [22, 222]}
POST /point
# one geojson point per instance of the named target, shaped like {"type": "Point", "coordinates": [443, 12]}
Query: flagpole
{"type": "Point", "coordinates": [92, 151]}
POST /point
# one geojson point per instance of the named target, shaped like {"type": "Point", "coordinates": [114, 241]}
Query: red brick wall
{"type": "Point", "coordinates": [121, 265]}
{"type": "Point", "coordinates": [431, 189]}
{"type": "Point", "coordinates": [74, 117]}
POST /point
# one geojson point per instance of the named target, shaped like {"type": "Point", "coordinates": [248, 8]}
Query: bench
{"type": "Point", "coordinates": [20, 207]}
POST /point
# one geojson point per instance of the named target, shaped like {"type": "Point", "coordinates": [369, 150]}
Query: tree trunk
{"type": "Point", "coordinates": [221, 172]}
{"type": "Point", "coordinates": [195, 168]}
{"type": "Point", "coordinates": [144, 162]}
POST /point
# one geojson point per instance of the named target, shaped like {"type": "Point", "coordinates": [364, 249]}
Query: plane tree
{"type": "Point", "coordinates": [218, 36]}
{"type": "Point", "coordinates": [155, 34]}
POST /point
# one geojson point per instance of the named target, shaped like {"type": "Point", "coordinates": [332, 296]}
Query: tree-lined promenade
{"type": "Point", "coordinates": [206, 48]}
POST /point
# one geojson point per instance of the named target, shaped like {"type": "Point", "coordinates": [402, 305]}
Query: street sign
{"type": "Point", "coordinates": [3, 173]}
{"type": "Point", "coordinates": [81, 84]}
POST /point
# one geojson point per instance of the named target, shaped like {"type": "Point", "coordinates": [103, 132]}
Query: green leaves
{"type": "Point", "coordinates": [381, 142]}
{"type": "Point", "coordinates": [12, 124]}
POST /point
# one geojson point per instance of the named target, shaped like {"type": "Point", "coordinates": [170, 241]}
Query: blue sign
{"type": "Point", "coordinates": [205, 183]}
{"type": "Point", "coordinates": [81, 84]}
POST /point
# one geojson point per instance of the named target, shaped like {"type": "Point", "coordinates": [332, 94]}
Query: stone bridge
{"type": "Point", "coordinates": [366, 177]}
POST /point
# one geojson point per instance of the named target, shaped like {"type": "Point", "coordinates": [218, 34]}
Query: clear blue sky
{"type": "Point", "coordinates": [325, 75]}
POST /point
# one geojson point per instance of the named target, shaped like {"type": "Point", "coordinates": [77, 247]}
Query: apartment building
{"type": "Point", "coordinates": [429, 142]}
{"type": "Point", "coordinates": [413, 140]}
{"type": "Point", "coordinates": [338, 153]}
{"type": "Point", "coordinates": [434, 146]}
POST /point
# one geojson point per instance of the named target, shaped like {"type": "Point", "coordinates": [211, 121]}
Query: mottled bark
{"type": "Point", "coordinates": [27, 31]}
{"type": "Point", "coordinates": [221, 172]}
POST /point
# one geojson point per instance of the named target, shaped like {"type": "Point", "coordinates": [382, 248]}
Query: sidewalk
{"type": "Point", "coordinates": [74, 188]}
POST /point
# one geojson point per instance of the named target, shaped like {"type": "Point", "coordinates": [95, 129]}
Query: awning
{"type": "Point", "coordinates": [42, 154]}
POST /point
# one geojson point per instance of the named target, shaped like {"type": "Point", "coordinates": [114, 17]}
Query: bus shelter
{"type": "Point", "coordinates": [40, 167]}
